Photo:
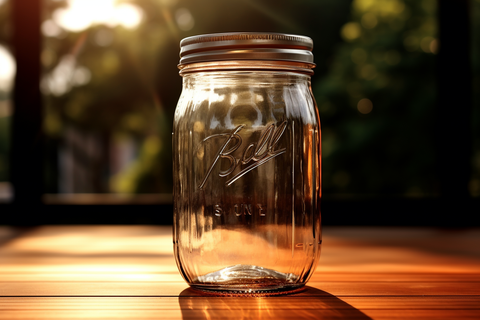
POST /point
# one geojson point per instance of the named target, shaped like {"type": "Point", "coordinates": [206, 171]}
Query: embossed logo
{"type": "Point", "coordinates": [253, 156]}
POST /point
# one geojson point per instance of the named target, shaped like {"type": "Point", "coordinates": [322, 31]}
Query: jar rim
{"type": "Point", "coordinates": [260, 46]}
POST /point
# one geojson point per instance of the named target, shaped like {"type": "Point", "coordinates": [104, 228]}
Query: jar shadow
{"type": "Point", "coordinates": [311, 303]}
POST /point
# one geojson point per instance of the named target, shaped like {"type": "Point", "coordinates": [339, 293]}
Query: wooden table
{"type": "Point", "coordinates": [67, 272]}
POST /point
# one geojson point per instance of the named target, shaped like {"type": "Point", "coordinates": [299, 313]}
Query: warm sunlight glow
{"type": "Point", "coordinates": [7, 69]}
{"type": "Point", "coordinates": [81, 14]}
{"type": "Point", "coordinates": [80, 243]}
{"type": "Point", "coordinates": [128, 15]}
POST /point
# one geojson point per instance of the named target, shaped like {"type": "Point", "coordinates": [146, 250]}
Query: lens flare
{"type": "Point", "coordinates": [82, 14]}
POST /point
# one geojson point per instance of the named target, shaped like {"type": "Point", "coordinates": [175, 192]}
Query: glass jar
{"type": "Point", "coordinates": [246, 148]}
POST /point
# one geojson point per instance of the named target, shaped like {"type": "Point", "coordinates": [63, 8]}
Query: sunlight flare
{"type": "Point", "coordinates": [82, 14]}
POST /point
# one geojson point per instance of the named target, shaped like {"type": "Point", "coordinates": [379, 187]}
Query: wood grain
{"type": "Point", "coordinates": [128, 272]}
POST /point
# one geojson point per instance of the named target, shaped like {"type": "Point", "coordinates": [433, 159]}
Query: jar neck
{"type": "Point", "coordinates": [247, 65]}
{"type": "Point", "coordinates": [241, 78]}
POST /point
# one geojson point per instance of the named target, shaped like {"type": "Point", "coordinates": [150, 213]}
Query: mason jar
{"type": "Point", "coordinates": [247, 164]}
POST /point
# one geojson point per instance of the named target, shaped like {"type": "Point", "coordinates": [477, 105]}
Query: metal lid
{"type": "Point", "coordinates": [246, 46]}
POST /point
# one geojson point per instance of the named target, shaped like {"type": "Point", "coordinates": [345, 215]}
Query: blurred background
{"type": "Point", "coordinates": [401, 140]}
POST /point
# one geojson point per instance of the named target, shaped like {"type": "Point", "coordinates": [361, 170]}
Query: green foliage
{"type": "Point", "coordinates": [374, 84]}
{"type": "Point", "coordinates": [134, 83]}
{"type": "Point", "coordinates": [377, 101]}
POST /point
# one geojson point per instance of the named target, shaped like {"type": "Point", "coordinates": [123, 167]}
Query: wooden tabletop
{"type": "Point", "coordinates": [111, 272]}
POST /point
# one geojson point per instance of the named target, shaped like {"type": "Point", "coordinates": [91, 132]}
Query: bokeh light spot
{"type": "Point", "coordinates": [365, 106]}
{"type": "Point", "coordinates": [351, 31]}
{"type": "Point", "coordinates": [5, 108]}
{"type": "Point", "coordinates": [385, 8]}
{"type": "Point", "coordinates": [58, 82]}
{"type": "Point", "coordinates": [152, 145]}
{"type": "Point", "coordinates": [103, 37]}
{"type": "Point", "coordinates": [133, 122]}
{"type": "Point", "coordinates": [82, 14]}
{"type": "Point", "coordinates": [184, 19]}
{"type": "Point", "coordinates": [425, 44]}
{"type": "Point", "coordinates": [51, 29]}
{"type": "Point", "coordinates": [81, 76]}
{"type": "Point", "coordinates": [7, 69]}
{"type": "Point", "coordinates": [363, 5]}
{"type": "Point", "coordinates": [128, 15]}
{"type": "Point", "coordinates": [71, 21]}
{"type": "Point", "coordinates": [434, 46]}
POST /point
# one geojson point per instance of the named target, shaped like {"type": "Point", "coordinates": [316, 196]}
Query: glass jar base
{"type": "Point", "coordinates": [247, 280]}
{"type": "Point", "coordinates": [210, 291]}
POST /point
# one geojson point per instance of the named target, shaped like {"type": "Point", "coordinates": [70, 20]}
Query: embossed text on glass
{"type": "Point", "coordinates": [253, 156]}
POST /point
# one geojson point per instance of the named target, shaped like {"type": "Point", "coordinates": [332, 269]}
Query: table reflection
{"type": "Point", "coordinates": [309, 304]}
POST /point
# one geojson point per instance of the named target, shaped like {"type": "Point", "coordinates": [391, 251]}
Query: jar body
{"type": "Point", "coordinates": [246, 148]}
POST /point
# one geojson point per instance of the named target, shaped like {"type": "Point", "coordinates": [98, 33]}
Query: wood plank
{"type": "Point", "coordinates": [422, 314]}
{"type": "Point", "coordinates": [129, 272]}
{"type": "Point", "coordinates": [348, 250]}
{"type": "Point", "coordinates": [276, 302]}
{"type": "Point", "coordinates": [142, 288]}
{"type": "Point", "coordinates": [148, 275]}
{"type": "Point", "coordinates": [255, 308]}
{"type": "Point", "coordinates": [234, 314]}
